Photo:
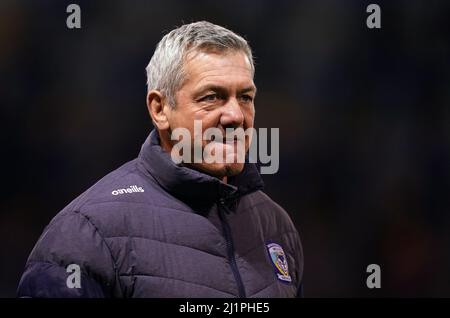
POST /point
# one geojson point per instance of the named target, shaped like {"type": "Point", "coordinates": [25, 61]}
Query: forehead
{"type": "Point", "coordinates": [221, 68]}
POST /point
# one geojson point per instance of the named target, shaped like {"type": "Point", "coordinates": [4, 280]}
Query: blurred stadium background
{"type": "Point", "coordinates": [363, 115]}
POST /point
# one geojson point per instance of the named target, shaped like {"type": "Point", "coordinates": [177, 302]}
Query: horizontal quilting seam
{"type": "Point", "coordinates": [88, 204]}
{"type": "Point", "coordinates": [178, 279]}
{"type": "Point", "coordinates": [252, 207]}
{"type": "Point", "coordinates": [83, 269]}
{"type": "Point", "coordinates": [264, 243]}
{"type": "Point", "coordinates": [137, 203]}
{"type": "Point", "coordinates": [249, 251]}
{"type": "Point", "coordinates": [256, 204]}
{"type": "Point", "coordinates": [264, 288]}
{"type": "Point", "coordinates": [164, 242]}
{"type": "Point", "coordinates": [46, 262]}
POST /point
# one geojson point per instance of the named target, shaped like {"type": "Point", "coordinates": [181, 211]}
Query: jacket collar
{"type": "Point", "coordinates": [188, 184]}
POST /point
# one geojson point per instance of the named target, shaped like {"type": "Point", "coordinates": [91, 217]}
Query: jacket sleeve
{"type": "Point", "coordinates": [299, 261]}
{"type": "Point", "coordinates": [300, 291]}
{"type": "Point", "coordinates": [70, 259]}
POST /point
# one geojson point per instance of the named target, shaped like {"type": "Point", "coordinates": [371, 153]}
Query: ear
{"type": "Point", "coordinates": [157, 108]}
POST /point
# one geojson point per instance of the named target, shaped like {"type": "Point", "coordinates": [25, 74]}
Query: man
{"type": "Point", "coordinates": [157, 228]}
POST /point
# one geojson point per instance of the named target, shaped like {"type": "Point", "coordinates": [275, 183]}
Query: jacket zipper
{"type": "Point", "coordinates": [230, 249]}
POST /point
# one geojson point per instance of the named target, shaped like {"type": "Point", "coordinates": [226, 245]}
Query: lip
{"type": "Point", "coordinates": [227, 140]}
{"type": "Point", "coordinates": [234, 140]}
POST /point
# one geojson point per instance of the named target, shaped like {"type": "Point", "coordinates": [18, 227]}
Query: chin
{"type": "Point", "coordinates": [220, 170]}
{"type": "Point", "coordinates": [233, 169]}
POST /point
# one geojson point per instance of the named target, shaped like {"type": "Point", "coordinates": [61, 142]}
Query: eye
{"type": "Point", "coordinates": [209, 98]}
{"type": "Point", "coordinates": [247, 98]}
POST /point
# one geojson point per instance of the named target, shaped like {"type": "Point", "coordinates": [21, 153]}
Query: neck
{"type": "Point", "coordinates": [164, 141]}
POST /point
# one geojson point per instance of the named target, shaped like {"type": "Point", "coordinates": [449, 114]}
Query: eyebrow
{"type": "Point", "coordinates": [248, 89]}
{"type": "Point", "coordinates": [221, 89]}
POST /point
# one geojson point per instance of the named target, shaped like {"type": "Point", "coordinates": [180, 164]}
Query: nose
{"type": "Point", "coordinates": [232, 115]}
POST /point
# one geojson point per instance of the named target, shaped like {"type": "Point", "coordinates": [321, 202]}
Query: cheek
{"type": "Point", "coordinates": [209, 119]}
{"type": "Point", "coordinates": [249, 116]}
{"type": "Point", "coordinates": [175, 122]}
{"type": "Point", "coordinates": [181, 117]}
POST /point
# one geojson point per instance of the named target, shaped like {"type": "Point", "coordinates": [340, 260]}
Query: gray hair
{"type": "Point", "coordinates": [165, 70]}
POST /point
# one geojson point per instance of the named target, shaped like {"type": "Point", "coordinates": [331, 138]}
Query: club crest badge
{"type": "Point", "coordinates": [279, 262]}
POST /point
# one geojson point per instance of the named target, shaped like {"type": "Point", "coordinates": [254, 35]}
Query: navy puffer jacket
{"type": "Point", "coordinates": [152, 228]}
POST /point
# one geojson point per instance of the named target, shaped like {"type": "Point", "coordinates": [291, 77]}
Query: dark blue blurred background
{"type": "Point", "coordinates": [363, 116]}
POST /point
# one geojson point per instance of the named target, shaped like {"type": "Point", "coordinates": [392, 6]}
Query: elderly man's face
{"type": "Point", "coordinates": [219, 91]}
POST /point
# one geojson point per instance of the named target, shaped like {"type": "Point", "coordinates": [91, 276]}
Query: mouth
{"type": "Point", "coordinates": [230, 148]}
{"type": "Point", "coordinates": [226, 140]}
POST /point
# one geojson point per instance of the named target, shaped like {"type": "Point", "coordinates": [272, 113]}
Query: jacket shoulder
{"type": "Point", "coordinates": [112, 187]}
{"type": "Point", "coordinates": [121, 199]}
{"type": "Point", "coordinates": [269, 211]}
